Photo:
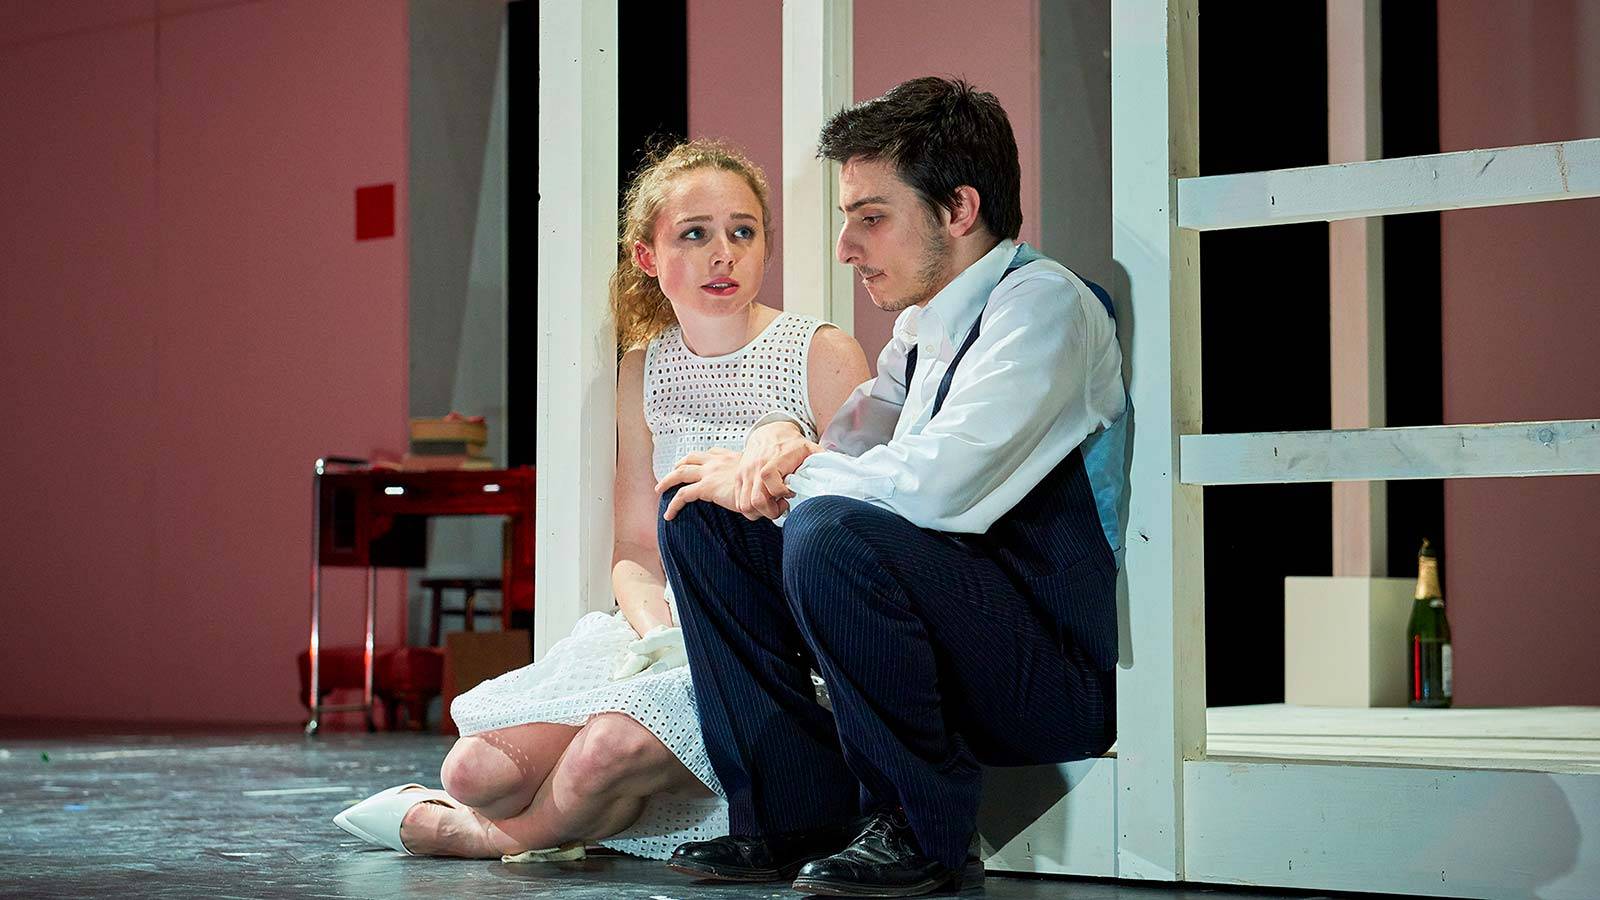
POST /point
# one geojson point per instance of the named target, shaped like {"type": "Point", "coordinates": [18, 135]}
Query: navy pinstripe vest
{"type": "Point", "coordinates": [1052, 544]}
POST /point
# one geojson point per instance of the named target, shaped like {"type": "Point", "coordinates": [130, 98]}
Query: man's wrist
{"type": "Point", "coordinates": [776, 416]}
{"type": "Point", "coordinates": [783, 425]}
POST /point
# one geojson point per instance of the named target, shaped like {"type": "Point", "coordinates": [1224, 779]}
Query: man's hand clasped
{"type": "Point", "coordinates": [750, 483]}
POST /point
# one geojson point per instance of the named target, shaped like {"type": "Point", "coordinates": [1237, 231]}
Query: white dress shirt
{"type": "Point", "coordinates": [1044, 373]}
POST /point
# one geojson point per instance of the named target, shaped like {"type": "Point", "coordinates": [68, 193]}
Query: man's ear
{"type": "Point", "coordinates": [963, 214]}
{"type": "Point", "coordinates": [644, 258]}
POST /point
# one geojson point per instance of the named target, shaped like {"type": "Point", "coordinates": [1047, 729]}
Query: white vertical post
{"type": "Point", "coordinates": [576, 393]}
{"type": "Point", "coordinates": [818, 78]}
{"type": "Point", "coordinates": [1161, 682]}
{"type": "Point", "coordinates": [1355, 281]}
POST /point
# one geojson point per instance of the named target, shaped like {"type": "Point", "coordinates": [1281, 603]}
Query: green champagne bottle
{"type": "Point", "coordinates": [1428, 636]}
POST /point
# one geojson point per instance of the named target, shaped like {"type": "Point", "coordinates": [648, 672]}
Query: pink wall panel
{"type": "Point", "coordinates": [78, 462]}
{"type": "Point", "coordinates": [273, 114]}
{"type": "Point", "coordinates": [894, 40]}
{"type": "Point", "coordinates": [203, 319]}
{"type": "Point", "coordinates": [738, 98]}
{"type": "Point", "coordinates": [171, 7]}
{"type": "Point", "coordinates": [1519, 320]}
{"type": "Point", "coordinates": [23, 21]}
{"type": "Point", "coordinates": [995, 46]}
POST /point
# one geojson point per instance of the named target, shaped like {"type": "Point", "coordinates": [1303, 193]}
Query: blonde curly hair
{"type": "Point", "coordinates": [638, 307]}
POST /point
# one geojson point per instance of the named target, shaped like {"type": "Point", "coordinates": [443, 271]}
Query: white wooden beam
{"type": "Point", "coordinates": [575, 429]}
{"type": "Point", "coordinates": [1532, 173]}
{"type": "Point", "coordinates": [1355, 282]}
{"type": "Point", "coordinates": [1161, 680]}
{"type": "Point", "coordinates": [818, 78]}
{"type": "Point", "coordinates": [1511, 449]}
{"type": "Point", "coordinates": [1562, 739]}
{"type": "Point", "coordinates": [1403, 830]}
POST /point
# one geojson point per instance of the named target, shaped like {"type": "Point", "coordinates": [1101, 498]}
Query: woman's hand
{"type": "Point", "coordinates": [771, 454]}
{"type": "Point", "coordinates": [660, 649]}
{"type": "Point", "coordinates": [708, 475]}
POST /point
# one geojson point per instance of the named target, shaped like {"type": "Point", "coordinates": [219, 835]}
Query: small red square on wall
{"type": "Point", "coordinates": [374, 211]}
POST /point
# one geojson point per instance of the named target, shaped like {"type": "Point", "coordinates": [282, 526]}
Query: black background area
{"type": "Point", "coordinates": [652, 108]}
{"type": "Point", "coordinates": [1264, 313]}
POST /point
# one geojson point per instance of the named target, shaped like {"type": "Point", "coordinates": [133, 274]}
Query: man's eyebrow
{"type": "Point", "coordinates": [704, 218]}
{"type": "Point", "coordinates": [875, 198]}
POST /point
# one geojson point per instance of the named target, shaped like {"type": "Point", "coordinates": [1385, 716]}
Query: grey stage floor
{"type": "Point", "coordinates": [250, 816]}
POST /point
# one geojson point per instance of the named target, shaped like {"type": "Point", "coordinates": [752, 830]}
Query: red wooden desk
{"type": "Point", "coordinates": [368, 518]}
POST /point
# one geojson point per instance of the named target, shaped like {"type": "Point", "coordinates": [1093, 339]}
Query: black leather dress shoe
{"type": "Point", "coordinates": [755, 859]}
{"type": "Point", "coordinates": [883, 861]}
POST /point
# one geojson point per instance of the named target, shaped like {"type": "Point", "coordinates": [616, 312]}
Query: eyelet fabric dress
{"type": "Point", "coordinates": [691, 403]}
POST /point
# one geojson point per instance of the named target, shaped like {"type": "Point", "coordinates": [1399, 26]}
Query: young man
{"type": "Point", "coordinates": [941, 563]}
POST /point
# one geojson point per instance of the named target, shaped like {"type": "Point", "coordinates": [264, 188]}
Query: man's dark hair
{"type": "Point", "coordinates": [938, 134]}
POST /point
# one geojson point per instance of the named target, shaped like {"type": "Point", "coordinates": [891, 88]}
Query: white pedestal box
{"type": "Point", "coordinates": [1344, 641]}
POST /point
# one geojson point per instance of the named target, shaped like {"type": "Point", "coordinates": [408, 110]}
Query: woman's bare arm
{"type": "Point", "coordinates": [835, 366]}
{"type": "Point", "coordinates": [637, 578]}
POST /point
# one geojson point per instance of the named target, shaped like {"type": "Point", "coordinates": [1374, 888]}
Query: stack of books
{"type": "Point", "coordinates": [452, 442]}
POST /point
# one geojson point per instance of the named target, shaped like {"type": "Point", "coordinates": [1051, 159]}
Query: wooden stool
{"type": "Point", "coordinates": [343, 668]}
{"type": "Point", "coordinates": [471, 587]}
{"type": "Point", "coordinates": [407, 679]}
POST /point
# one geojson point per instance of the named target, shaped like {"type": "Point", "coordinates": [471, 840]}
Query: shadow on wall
{"type": "Point", "coordinates": [1075, 198]}
{"type": "Point", "coordinates": [1015, 798]}
{"type": "Point", "coordinates": [1566, 868]}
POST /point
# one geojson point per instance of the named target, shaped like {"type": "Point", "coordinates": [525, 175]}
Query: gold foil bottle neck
{"type": "Point", "coordinates": [1427, 572]}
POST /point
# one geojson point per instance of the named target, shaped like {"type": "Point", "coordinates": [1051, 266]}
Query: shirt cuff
{"type": "Point", "coordinates": [833, 474]}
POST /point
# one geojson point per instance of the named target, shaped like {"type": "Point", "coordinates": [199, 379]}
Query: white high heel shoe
{"type": "Point", "coordinates": [377, 819]}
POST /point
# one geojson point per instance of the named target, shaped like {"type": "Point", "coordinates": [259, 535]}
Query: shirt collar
{"type": "Point", "coordinates": [957, 306]}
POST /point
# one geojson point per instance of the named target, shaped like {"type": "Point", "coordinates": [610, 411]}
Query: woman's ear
{"type": "Point", "coordinates": [644, 258]}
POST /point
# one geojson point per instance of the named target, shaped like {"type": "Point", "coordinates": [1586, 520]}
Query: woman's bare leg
{"type": "Point", "coordinates": [540, 785]}
{"type": "Point", "coordinates": [599, 786]}
{"type": "Point", "coordinates": [497, 773]}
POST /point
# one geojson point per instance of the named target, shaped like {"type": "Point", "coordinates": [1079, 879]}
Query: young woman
{"type": "Point", "coordinates": [600, 740]}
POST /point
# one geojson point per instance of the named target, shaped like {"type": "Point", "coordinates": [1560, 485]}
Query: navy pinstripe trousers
{"type": "Point", "coordinates": [933, 659]}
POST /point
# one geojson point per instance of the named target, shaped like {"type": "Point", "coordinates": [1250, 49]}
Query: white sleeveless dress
{"type": "Point", "coordinates": [691, 403]}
